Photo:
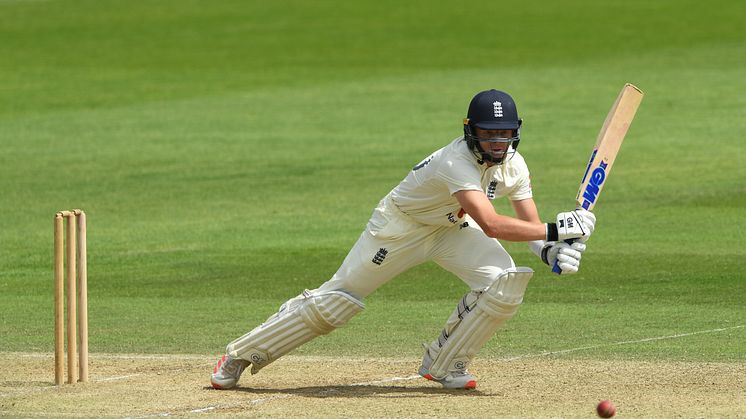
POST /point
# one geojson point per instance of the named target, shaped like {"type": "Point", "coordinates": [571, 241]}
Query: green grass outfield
{"type": "Point", "coordinates": [228, 154]}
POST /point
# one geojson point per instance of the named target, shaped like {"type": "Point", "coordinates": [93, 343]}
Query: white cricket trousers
{"type": "Point", "coordinates": [394, 242]}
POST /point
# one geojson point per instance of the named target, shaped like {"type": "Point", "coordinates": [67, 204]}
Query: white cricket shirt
{"type": "Point", "coordinates": [426, 194]}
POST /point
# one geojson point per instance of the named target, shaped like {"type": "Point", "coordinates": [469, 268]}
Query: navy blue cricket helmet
{"type": "Point", "coordinates": [492, 110]}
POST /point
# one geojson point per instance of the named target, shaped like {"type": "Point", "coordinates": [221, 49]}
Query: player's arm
{"type": "Point", "coordinates": [476, 204]}
{"type": "Point", "coordinates": [526, 210]}
{"type": "Point", "coordinates": [573, 224]}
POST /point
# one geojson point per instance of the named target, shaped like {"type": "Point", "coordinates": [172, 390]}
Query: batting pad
{"type": "Point", "coordinates": [495, 306]}
{"type": "Point", "coordinates": [299, 320]}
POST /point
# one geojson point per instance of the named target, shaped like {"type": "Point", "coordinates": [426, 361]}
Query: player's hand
{"type": "Point", "coordinates": [577, 224]}
{"type": "Point", "coordinates": [567, 256]}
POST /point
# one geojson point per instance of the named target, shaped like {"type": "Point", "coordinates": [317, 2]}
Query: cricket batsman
{"type": "Point", "coordinates": [441, 211]}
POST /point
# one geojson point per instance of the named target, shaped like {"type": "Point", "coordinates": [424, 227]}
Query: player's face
{"type": "Point", "coordinates": [496, 142]}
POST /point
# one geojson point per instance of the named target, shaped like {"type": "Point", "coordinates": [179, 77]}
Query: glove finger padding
{"type": "Point", "coordinates": [568, 269]}
{"type": "Point", "coordinates": [587, 218]}
{"type": "Point", "coordinates": [578, 246]}
{"type": "Point", "coordinates": [568, 252]}
{"type": "Point", "coordinates": [566, 256]}
{"type": "Point", "coordinates": [566, 260]}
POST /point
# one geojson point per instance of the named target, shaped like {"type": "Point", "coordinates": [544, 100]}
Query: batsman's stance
{"type": "Point", "coordinates": [441, 211]}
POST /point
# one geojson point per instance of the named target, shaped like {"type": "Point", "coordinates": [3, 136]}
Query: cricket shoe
{"type": "Point", "coordinates": [454, 379]}
{"type": "Point", "coordinates": [227, 372]}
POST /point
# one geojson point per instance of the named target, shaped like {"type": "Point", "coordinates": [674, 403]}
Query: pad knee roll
{"type": "Point", "coordinates": [495, 306]}
{"type": "Point", "coordinates": [299, 320]}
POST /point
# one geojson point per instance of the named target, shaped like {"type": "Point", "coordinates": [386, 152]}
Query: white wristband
{"type": "Point", "coordinates": [536, 246]}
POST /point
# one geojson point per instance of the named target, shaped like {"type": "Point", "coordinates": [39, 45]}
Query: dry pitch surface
{"type": "Point", "coordinates": [142, 386]}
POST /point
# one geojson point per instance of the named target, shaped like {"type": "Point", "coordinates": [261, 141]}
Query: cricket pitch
{"type": "Point", "coordinates": [142, 386]}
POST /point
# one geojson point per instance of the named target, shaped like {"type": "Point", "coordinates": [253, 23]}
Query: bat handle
{"type": "Point", "coordinates": [556, 269]}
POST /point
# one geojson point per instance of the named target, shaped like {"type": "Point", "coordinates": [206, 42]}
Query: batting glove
{"type": "Point", "coordinates": [567, 255]}
{"type": "Point", "coordinates": [577, 224]}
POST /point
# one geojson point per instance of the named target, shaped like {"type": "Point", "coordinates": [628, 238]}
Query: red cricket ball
{"type": "Point", "coordinates": [606, 409]}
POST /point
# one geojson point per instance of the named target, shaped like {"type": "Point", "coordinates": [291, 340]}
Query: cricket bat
{"type": "Point", "coordinates": [606, 148]}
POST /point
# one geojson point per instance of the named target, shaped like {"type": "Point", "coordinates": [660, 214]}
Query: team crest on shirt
{"type": "Point", "coordinates": [380, 256]}
{"type": "Point", "coordinates": [491, 189]}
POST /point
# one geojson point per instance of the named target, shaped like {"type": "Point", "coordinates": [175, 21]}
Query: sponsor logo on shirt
{"type": "Point", "coordinates": [423, 163]}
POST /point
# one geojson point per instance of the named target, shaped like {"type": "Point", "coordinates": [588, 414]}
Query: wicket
{"type": "Point", "coordinates": [76, 226]}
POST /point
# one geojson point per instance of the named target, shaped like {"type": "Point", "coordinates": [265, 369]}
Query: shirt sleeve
{"type": "Point", "coordinates": [522, 189]}
{"type": "Point", "coordinates": [459, 175]}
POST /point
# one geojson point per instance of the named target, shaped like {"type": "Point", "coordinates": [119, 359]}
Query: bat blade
{"type": "Point", "coordinates": [605, 150]}
{"type": "Point", "coordinates": [607, 145]}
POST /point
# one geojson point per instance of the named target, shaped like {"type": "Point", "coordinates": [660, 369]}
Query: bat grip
{"type": "Point", "coordinates": [556, 269]}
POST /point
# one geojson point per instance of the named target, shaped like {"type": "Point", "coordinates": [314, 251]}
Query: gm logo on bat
{"type": "Point", "coordinates": [594, 184]}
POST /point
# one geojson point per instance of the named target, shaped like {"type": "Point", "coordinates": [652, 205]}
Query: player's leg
{"type": "Point", "coordinates": [448, 362]}
{"type": "Point", "coordinates": [299, 320]}
{"type": "Point", "coordinates": [497, 289]}
{"type": "Point", "coordinates": [461, 378]}
{"type": "Point", "coordinates": [471, 255]}
{"type": "Point", "coordinates": [390, 244]}
{"type": "Point", "coordinates": [385, 249]}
